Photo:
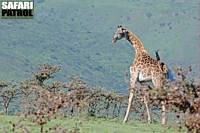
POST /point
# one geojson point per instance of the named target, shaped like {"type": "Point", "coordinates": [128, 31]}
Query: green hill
{"type": "Point", "coordinates": [76, 34]}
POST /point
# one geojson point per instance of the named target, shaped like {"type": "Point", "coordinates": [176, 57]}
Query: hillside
{"type": "Point", "coordinates": [77, 36]}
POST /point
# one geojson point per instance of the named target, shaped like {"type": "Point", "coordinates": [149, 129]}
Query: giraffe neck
{"type": "Point", "coordinates": [135, 42]}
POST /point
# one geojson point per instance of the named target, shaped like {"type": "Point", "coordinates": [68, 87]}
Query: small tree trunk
{"type": "Point", "coordinates": [6, 110]}
{"type": "Point", "coordinates": [41, 128]}
{"type": "Point", "coordinates": [13, 127]}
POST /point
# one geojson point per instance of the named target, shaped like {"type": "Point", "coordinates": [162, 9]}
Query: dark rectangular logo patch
{"type": "Point", "coordinates": [17, 9]}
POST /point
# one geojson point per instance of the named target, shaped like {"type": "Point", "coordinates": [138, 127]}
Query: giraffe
{"type": "Point", "coordinates": [144, 68]}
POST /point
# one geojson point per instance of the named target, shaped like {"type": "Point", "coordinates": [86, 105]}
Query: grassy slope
{"type": "Point", "coordinates": [77, 35]}
{"type": "Point", "coordinates": [91, 125]}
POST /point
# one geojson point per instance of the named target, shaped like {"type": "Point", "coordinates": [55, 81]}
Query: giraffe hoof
{"type": "Point", "coordinates": [124, 121]}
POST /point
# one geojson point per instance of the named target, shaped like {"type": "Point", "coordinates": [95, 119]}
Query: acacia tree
{"type": "Point", "coordinates": [7, 93]}
{"type": "Point", "coordinates": [182, 96]}
{"type": "Point", "coordinates": [42, 98]}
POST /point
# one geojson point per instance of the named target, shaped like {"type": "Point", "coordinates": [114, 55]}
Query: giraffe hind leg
{"type": "Point", "coordinates": [147, 109]}
{"type": "Point", "coordinates": [145, 98]}
{"type": "Point", "coordinates": [157, 83]}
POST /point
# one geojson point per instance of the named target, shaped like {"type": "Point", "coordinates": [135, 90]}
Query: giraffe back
{"type": "Point", "coordinates": [148, 68]}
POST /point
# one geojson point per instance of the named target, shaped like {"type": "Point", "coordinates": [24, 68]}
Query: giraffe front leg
{"type": "Point", "coordinates": [129, 106]}
{"type": "Point", "coordinates": [131, 94]}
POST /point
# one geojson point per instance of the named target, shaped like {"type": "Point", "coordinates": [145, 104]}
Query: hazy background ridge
{"type": "Point", "coordinates": [77, 35]}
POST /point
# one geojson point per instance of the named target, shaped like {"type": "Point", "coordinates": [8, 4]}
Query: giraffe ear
{"type": "Point", "coordinates": [119, 26]}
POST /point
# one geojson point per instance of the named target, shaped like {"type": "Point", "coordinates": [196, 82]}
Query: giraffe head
{"type": "Point", "coordinates": [119, 34]}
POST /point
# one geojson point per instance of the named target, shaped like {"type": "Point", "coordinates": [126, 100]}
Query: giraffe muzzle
{"type": "Point", "coordinates": [114, 40]}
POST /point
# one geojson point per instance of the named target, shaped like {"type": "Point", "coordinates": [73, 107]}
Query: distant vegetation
{"type": "Point", "coordinates": [42, 99]}
{"type": "Point", "coordinates": [77, 36]}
